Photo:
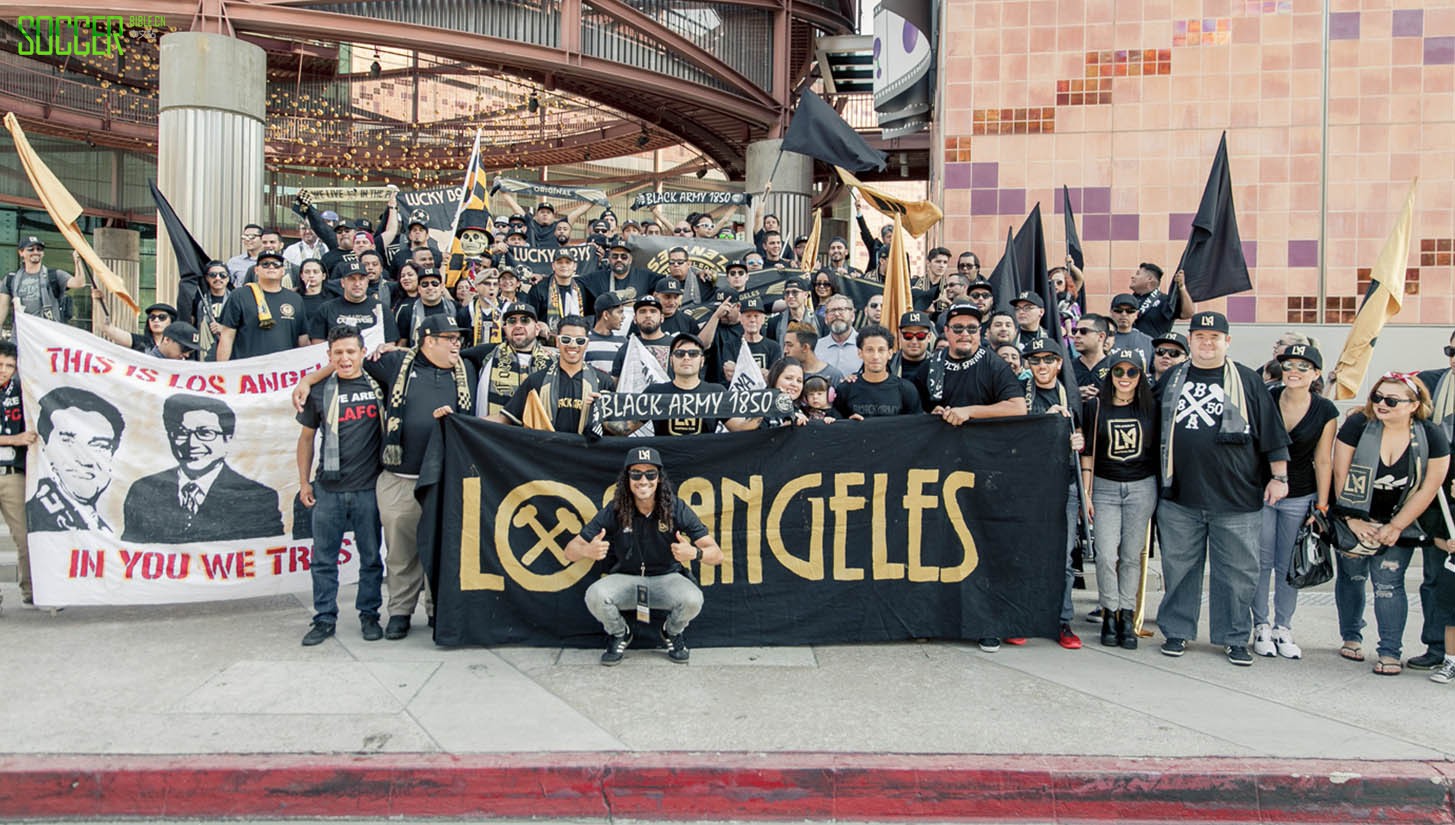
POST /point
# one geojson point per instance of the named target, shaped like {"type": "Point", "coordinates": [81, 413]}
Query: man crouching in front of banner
{"type": "Point", "coordinates": [641, 534]}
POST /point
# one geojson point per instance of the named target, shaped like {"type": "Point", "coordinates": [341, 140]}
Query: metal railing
{"type": "Point", "coordinates": [21, 78]}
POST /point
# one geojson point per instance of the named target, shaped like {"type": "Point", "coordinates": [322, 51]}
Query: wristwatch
{"type": "Point", "coordinates": [1283, 479]}
{"type": "Point", "coordinates": [698, 557]}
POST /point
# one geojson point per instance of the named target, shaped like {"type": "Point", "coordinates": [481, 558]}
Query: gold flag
{"type": "Point", "coordinates": [1382, 301]}
{"type": "Point", "coordinates": [918, 216]}
{"type": "Point", "coordinates": [897, 298]}
{"type": "Point", "coordinates": [65, 211]}
{"type": "Point", "coordinates": [535, 416]}
{"type": "Point", "coordinates": [809, 262]}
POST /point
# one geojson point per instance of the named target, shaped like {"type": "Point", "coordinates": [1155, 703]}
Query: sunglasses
{"type": "Point", "coordinates": [221, 275]}
{"type": "Point", "coordinates": [1297, 366]}
{"type": "Point", "coordinates": [578, 340]}
{"type": "Point", "coordinates": [1037, 360]}
{"type": "Point", "coordinates": [251, 237]}
{"type": "Point", "coordinates": [963, 329]}
{"type": "Point", "coordinates": [1449, 351]}
{"type": "Point", "coordinates": [159, 316]}
{"type": "Point", "coordinates": [967, 266]}
{"type": "Point", "coordinates": [1125, 372]}
{"type": "Point", "coordinates": [686, 353]}
{"type": "Point", "coordinates": [431, 282]}
{"type": "Point", "coordinates": [682, 231]}
{"type": "Point", "coordinates": [1124, 310]}
{"type": "Point", "coordinates": [914, 336]}
{"type": "Point", "coordinates": [1083, 331]}
{"type": "Point", "coordinates": [707, 225]}
{"type": "Point", "coordinates": [269, 265]}
{"type": "Point", "coordinates": [638, 475]}
{"type": "Point", "coordinates": [1389, 400]}
{"type": "Point", "coordinates": [1169, 352]}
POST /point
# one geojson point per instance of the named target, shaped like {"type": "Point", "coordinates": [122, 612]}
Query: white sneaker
{"type": "Point", "coordinates": [1283, 639]}
{"type": "Point", "coordinates": [1263, 641]}
{"type": "Point", "coordinates": [1445, 674]}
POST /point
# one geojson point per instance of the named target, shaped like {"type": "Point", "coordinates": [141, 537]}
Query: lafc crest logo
{"type": "Point", "coordinates": [1207, 321]}
{"type": "Point", "coordinates": [1356, 484]}
{"type": "Point", "coordinates": [1124, 440]}
{"type": "Point", "coordinates": [644, 455]}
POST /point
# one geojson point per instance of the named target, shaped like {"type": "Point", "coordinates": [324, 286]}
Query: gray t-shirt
{"type": "Point", "coordinates": [24, 289]}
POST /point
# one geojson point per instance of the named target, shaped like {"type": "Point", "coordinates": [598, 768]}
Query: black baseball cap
{"type": "Point", "coordinates": [797, 283]}
{"type": "Point", "coordinates": [438, 324]}
{"type": "Point", "coordinates": [724, 293]}
{"type": "Point", "coordinates": [167, 308]}
{"type": "Point", "coordinates": [688, 337]}
{"type": "Point", "coordinates": [1126, 356]}
{"type": "Point", "coordinates": [619, 243]}
{"type": "Point", "coordinates": [1028, 298]}
{"type": "Point", "coordinates": [668, 286]}
{"type": "Point", "coordinates": [1043, 344]}
{"type": "Point", "coordinates": [751, 304]}
{"type": "Point", "coordinates": [184, 334]}
{"type": "Point", "coordinates": [736, 265]}
{"type": "Point", "coordinates": [606, 301]}
{"type": "Point", "coordinates": [31, 241]}
{"type": "Point", "coordinates": [430, 272]}
{"type": "Point", "coordinates": [643, 455]}
{"type": "Point", "coordinates": [352, 271]}
{"type": "Point", "coordinates": [1125, 299]}
{"type": "Point", "coordinates": [915, 318]}
{"type": "Point", "coordinates": [563, 254]}
{"type": "Point", "coordinates": [1305, 352]}
{"type": "Point", "coordinates": [647, 300]}
{"type": "Point", "coordinates": [545, 207]}
{"type": "Point", "coordinates": [519, 308]}
{"type": "Point", "coordinates": [962, 309]}
{"type": "Point", "coordinates": [1213, 321]}
{"type": "Point", "coordinates": [980, 283]}
{"type": "Point", "coordinates": [268, 254]}
{"type": "Point", "coordinates": [1172, 338]}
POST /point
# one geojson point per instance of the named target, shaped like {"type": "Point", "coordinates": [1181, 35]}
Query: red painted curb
{"type": "Point", "coordinates": [741, 786]}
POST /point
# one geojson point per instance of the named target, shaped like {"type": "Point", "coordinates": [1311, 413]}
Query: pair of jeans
{"type": "Point", "coordinates": [1391, 603]}
{"type": "Point", "coordinates": [1123, 516]}
{"type": "Point", "coordinates": [1281, 524]}
{"type": "Point", "coordinates": [334, 514]}
{"type": "Point", "coordinates": [1436, 616]}
{"type": "Point", "coordinates": [1073, 516]}
{"type": "Point", "coordinates": [615, 592]}
{"type": "Point", "coordinates": [1228, 544]}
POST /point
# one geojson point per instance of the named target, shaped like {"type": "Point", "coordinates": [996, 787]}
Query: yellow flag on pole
{"type": "Point", "coordinates": [1382, 301]}
{"type": "Point", "coordinates": [536, 416]}
{"type": "Point", "coordinates": [897, 299]}
{"type": "Point", "coordinates": [65, 211]}
{"type": "Point", "coordinates": [809, 263]}
{"type": "Point", "coordinates": [918, 216]}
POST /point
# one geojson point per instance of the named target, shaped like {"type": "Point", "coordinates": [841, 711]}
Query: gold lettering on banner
{"type": "Point", "coordinates": [810, 568]}
{"type": "Point", "coordinates": [954, 483]}
{"type": "Point", "coordinates": [884, 569]}
{"type": "Point", "coordinates": [549, 531]}
{"type": "Point", "coordinates": [471, 576]}
{"type": "Point", "coordinates": [751, 495]}
{"type": "Point", "coordinates": [915, 503]}
{"type": "Point", "coordinates": [842, 504]}
{"type": "Point", "coordinates": [698, 495]}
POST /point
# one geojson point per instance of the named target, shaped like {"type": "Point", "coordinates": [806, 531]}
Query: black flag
{"type": "Point", "coordinates": [817, 131]}
{"type": "Point", "coordinates": [1213, 262]}
{"type": "Point", "coordinates": [1004, 281]}
{"type": "Point", "coordinates": [191, 257]}
{"type": "Point", "coordinates": [1030, 259]}
{"type": "Point", "coordinates": [1073, 240]}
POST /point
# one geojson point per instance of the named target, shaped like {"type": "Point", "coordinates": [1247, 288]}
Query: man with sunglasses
{"type": "Point", "coordinates": [433, 299]}
{"type": "Point", "coordinates": [1224, 454]}
{"type": "Point", "coordinates": [795, 311]}
{"type": "Point", "coordinates": [1088, 338]}
{"type": "Point", "coordinates": [669, 294]}
{"type": "Point", "coordinates": [916, 334]}
{"type": "Point", "coordinates": [980, 293]}
{"type": "Point", "coordinates": [619, 276]}
{"type": "Point", "coordinates": [40, 290]}
{"type": "Point", "coordinates": [240, 264]}
{"type": "Point", "coordinates": [504, 367]}
{"type": "Point", "coordinates": [566, 388]}
{"type": "Point", "coordinates": [647, 536]}
{"type": "Point", "coordinates": [687, 357]}
{"type": "Point", "coordinates": [1168, 350]}
{"type": "Point", "coordinates": [262, 317]}
{"type": "Point", "coordinates": [965, 381]}
{"type": "Point", "coordinates": [1126, 335]}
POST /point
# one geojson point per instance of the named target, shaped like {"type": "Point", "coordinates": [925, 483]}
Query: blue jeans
{"type": "Point", "coordinates": [1275, 545]}
{"type": "Point", "coordinates": [1073, 514]}
{"type": "Point", "coordinates": [333, 515]}
{"type": "Point", "coordinates": [1123, 515]}
{"type": "Point", "coordinates": [609, 595]}
{"type": "Point", "coordinates": [1391, 602]}
{"type": "Point", "coordinates": [1228, 544]}
{"type": "Point", "coordinates": [1437, 617]}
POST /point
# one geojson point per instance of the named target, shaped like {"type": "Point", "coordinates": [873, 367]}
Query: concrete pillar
{"type": "Point", "coordinates": [211, 106]}
{"type": "Point", "coordinates": [121, 250]}
{"type": "Point", "coordinates": [792, 186]}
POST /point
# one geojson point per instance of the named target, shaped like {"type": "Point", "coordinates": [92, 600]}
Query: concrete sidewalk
{"type": "Point", "coordinates": [231, 679]}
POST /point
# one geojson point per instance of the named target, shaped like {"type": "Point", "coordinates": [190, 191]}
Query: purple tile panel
{"type": "Point", "coordinates": [1250, 253]}
{"type": "Point", "coordinates": [1095, 227]}
{"type": "Point", "coordinates": [1303, 253]}
{"type": "Point", "coordinates": [1409, 23]}
{"type": "Point", "coordinates": [983, 202]}
{"type": "Point", "coordinates": [1126, 227]}
{"type": "Point", "coordinates": [1242, 309]}
{"type": "Point", "coordinates": [957, 175]}
{"type": "Point", "coordinates": [1012, 202]}
{"type": "Point", "coordinates": [1344, 25]}
{"type": "Point", "coordinates": [1095, 199]}
{"type": "Point", "coordinates": [1179, 225]}
{"type": "Point", "coordinates": [1439, 51]}
{"type": "Point", "coordinates": [985, 175]}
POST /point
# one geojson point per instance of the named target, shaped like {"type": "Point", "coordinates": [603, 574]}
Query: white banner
{"type": "Point", "coordinates": [161, 481]}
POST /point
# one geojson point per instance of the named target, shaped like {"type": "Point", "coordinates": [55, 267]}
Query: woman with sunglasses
{"type": "Point", "coordinates": [1311, 422]}
{"type": "Point", "coordinates": [155, 319]}
{"type": "Point", "coordinates": [1119, 468]}
{"type": "Point", "coordinates": [825, 286]}
{"type": "Point", "coordinates": [1389, 463]}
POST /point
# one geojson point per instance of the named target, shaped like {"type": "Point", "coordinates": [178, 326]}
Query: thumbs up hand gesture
{"type": "Point", "coordinates": [597, 547]}
{"type": "Point", "coordinates": [682, 549]}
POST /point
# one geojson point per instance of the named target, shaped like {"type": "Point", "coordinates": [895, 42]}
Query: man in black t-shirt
{"type": "Point", "coordinates": [1224, 454]}
{"type": "Point", "coordinates": [1088, 337]}
{"type": "Point", "coordinates": [876, 392]}
{"type": "Point", "coordinates": [964, 381]}
{"type": "Point", "coordinates": [357, 308]}
{"type": "Point", "coordinates": [686, 368]}
{"type": "Point", "coordinates": [345, 408]}
{"type": "Point", "coordinates": [1157, 311]}
{"type": "Point", "coordinates": [263, 317]}
{"type": "Point", "coordinates": [916, 336]}
{"type": "Point", "coordinates": [432, 300]}
{"type": "Point", "coordinates": [566, 389]}
{"type": "Point", "coordinates": [640, 536]}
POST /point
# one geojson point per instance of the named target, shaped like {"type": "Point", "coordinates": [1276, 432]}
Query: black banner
{"type": "Point", "coordinates": [687, 198]}
{"type": "Point", "coordinates": [641, 406]}
{"type": "Point", "coordinates": [706, 254]}
{"type": "Point", "coordinates": [550, 190]}
{"type": "Point", "coordinates": [537, 259]}
{"type": "Point", "coordinates": [886, 529]}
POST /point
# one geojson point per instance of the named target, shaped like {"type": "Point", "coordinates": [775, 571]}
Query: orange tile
{"type": "Point", "coordinates": [1043, 39]}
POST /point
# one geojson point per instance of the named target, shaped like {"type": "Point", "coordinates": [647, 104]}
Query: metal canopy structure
{"type": "Point", "coordinates": [376, 85]}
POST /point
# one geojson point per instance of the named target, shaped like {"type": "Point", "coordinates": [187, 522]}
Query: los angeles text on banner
{"type": "Point", "coordinates": [111, 516]}
{"type": "Point", "coordinates": [872, 531]}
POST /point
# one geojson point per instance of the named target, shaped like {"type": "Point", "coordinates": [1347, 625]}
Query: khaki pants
{"type": "Point", "coordinates": [399, 513]}
{"type": "Point", "coordinates": [12, 506]}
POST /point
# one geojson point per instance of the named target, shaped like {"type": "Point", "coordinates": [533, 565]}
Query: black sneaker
{"type": "Point", "coordinates": [676, 646]}
{"type": "Point", "coordinates": [616, 648]}
{"type": "Point", "coordinates": [1174, 647]}
{"type": "Point", "coordinates": [317, 634]}
{"type": "Point", "coordinates": [1425, 661]}
{"type": "Point", "coordinates": [1239, 655]}
{"type": "Point", "coordinates": [990, 644]}
{"type": "Point", "coordinates": [371, 630]}
{"type": "Point", "coordinates": [397, 628]}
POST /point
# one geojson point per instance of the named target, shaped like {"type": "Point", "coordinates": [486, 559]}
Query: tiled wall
{"type": "Point", "coordinates": [1123, 101]}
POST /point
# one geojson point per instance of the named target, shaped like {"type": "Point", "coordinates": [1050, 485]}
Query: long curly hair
{"type": "Point", "coordinates": [626, 504]}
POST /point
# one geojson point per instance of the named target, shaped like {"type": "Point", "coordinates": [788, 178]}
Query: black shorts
{"type": "Point", "coordinates": [1445, 588]}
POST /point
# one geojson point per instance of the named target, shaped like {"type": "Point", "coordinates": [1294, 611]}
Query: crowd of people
{"type": "Point", "coordinates": [1221, 462]}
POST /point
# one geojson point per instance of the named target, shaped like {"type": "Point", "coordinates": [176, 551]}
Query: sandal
{"type": "Point", "coordinates": [1352, 651]}
{"type": "Point", "coordinates": [1387, 666]}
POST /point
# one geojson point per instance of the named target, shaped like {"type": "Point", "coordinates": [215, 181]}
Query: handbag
{"type": "Point", "coordinates": [1312, 562]}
